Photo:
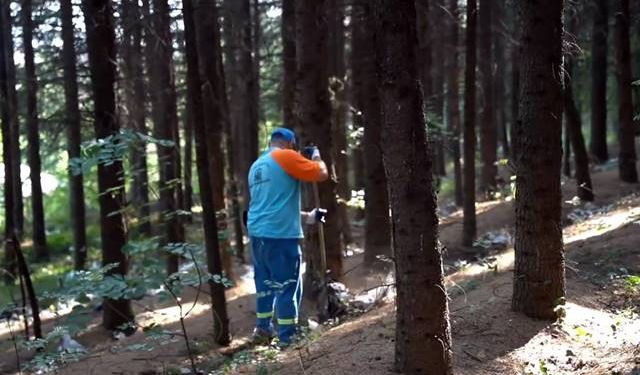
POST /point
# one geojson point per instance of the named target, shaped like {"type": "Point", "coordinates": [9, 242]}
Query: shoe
{"type": "Point", "coordinates": [262, 336]}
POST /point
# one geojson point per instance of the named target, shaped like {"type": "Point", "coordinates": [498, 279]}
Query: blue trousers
{"type": "Point", "coordinates": [277, 264]}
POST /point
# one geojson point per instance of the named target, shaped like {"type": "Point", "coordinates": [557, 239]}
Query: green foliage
{"type": "Point", "coordinates": [632, 282]}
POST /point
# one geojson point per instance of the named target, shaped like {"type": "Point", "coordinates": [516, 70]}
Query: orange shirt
{"type": "Point", "coordinates": [296, 165]}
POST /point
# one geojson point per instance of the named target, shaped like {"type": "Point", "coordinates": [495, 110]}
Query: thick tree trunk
{"type": "Point", "coordinates": [566, 148]}
{"type": "Point", "coordinates": [574, 129]}
{"type": "Point", "coordinates": [102, 62]}
{"type": "Point", "coordinates": [453, 96]}
{"type": "Point", "coordinates": [208, 37]}
{"type": "Point", "coordinates": [165, 120]}
{"type": "Point", "coordinates": [11, 108]}
{"type": "Point", "coordinates": [469, 167]}
{"type": "Point", "coordinates": [377, 223]}
{"type": "Point", "coordinates": [134, 105]}
{"type": "Point", "coordinates": [243, 109]}
{"type": "Point", "coordinates": [195, 106]}
{"type": "Point", "coordinates": [337, 85]}
{"type": "Point", "coordinates": [35, 164]}
{"type": "Point", "coordinates": [488, 131]}
{"type": "Point", "coordinates": [423, 335]}
{"type": "Point", "coordinates": [288, 62]}
{"type": "Point", "coordinates": [74, 138]}
{"type": "Point", "coordinates": [539, 283]}
{"type": "Point", "coordinates": [313, 108]}
{"type": "Point", "coordinates": [626, 132]}
{"type": "Point", "coordinates": [188, 165]}
{"type": "Point", "coordinates": [599, 55]}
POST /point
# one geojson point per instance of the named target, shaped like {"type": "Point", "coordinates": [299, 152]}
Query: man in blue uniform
{"type": "Point", "coordinates": [274, 226]}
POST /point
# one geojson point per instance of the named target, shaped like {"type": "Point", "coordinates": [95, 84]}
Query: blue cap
{"type": "Point", "coordinates": [285, 134]}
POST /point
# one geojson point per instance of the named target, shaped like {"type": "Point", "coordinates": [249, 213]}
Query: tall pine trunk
{"type": "Point", "coordinates": [574, 127]}
{"type": "Point", "coordinates": [165, 120]}
{"type": "Point", "coordinates": [208, 38]}
{"type": "Point", "coordinates": [98, 16]}
{"type": "Point", "coordinates": [626, 132]}
{"type": "Point", "coordinates": [423, 334]}
{"type": "Point", "coordinates": [195, 106]}
{"type": "Point", "coordinates": [499, 68]}
{"type": "Point", "coordinates": [453, 96]}
{"type": "Point", "coordinates": [599, 54]}
{"type": "Point", "coordinates": [35, 164]}
{"type": "Point", "coordinates": [438, 17]}
{"type": "Point", "coordinates": [243, 109]}
{"type": "Point", "coordinates": [313, 108]}
{"type": "Point", "coordinates": [376, 210]}
{"type": "Point", "coordinates": [337, 85]}
{"type": "Point", "coordinates": [539, 283]}
{"type": "Point", "coordinates": [488, 131]}
{"type": "Point", "coordinates": [74, 136]}
{"type": "Point", "coordinates": [288, 62]}
{"type": "Point", "coordinates": [10, 114]}
{"type": "Point", "coordinates": [469, 167]}
{"type": "Point", "coordinates": [134, 95]}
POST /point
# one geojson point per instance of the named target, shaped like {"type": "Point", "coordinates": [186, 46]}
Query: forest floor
{"type": "Point", "coordinates": [600, 333]}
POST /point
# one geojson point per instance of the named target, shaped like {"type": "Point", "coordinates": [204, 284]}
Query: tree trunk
{"type": "Point", "coordinates": [499, 87]}
{"type": "Point", "coordinates": [74, 137]}
{"type": "Point", "coordinates": [337, 85]}
{"type": "Point", "coordinates": [35, 164]}
{"type": "Point", "coordinates": [566, 149]}
{"type": "Point", "coordinates": [488, 131]}
{"type": "Point", "coordinates": [539, 283]}
{"type": "Point", "coordinates": [242, 80]}
{"type": "Point", "coordinates": [469, 167]}
{"type": "Point", "coordinates": [11, 115]}
{"type": "Point", "coordinates": [31, 293]}
{"type": "Point", "coordinates": [423, 335]}
{"type": "Point", "coordinates": [195, 106]}
{"type": "Point", "coordinates": [208, 38]}
{"type": "Point", "coordinates": [8, 129]}
{"type": "Point", "coordinates": [438, 17]}
{"type": "Point", "coordinates": [134, 107]}
{"type": "Point", "coordinates": [188, 165]}
{"type": "Point", "coordinates": [599, 81]}
{"type": "Point", "coordinates": [514, 56]}
{"type": "Point", "coordinates": [626, 132]}
{"type": "Point", "coordinates": [377, 227]}
{"type": "Point", "coordinates": [288, 62]}
{"type": "Point", "coordinates": [165, 120]}
{"type": "Point", "coordinates": [453, 96]}
{"type": "Point", "coordinates": [574, 128]}
{"type": "Point", "coordinates": [313, 108]}
{"type": "Point", "coordinates": [102, 57]}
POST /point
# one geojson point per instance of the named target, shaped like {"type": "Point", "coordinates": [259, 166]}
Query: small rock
{"type": "Point", "coordinates": [570, 353]}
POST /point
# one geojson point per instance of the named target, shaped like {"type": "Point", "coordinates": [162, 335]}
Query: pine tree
{"type": "Point", "coordinates": [599, 55]}
{"type": "Point", "coordinates": [469, 167]}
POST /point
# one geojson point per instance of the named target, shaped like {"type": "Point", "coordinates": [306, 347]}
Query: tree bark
{"type": "Point", "coordinates": [626, 132]}
{"type": "Point", "coordinates": [243, 109]}
{"type": "Point", "coordinates": [35, 165]}
{"type": "Point", "coordinates": [453, 96]}
{"type": "Point", "coordinates": [488, 131]}
{"type": "Point", "coordinates": [539, 283]}
{"type": "Point", "coordinates": [196, 107]}
{"type": "Point", "coordinates": [288, 62]}
{"type": "Point", "coordinates": [74, 136]}
{"type": "Point", "coordinates": [165, 120]}
{"type": "Point", "coordinates": [499, 78]}
{"type": "Point", "coordinates": [423, 334]}
{"type": "Point", "coordinates": [98, 16]}
{"type": "Point", "coordinates": [208, 38]}
{"type": "Point", "coordinates": [574, 126]}
{"type": "Point", "coordinates": [599, 81]}
{"type": "Point", "coordinates": [438, 20]}
{"type": "Point", "coordinates": [134, 108]}
{"type": "Point", "coordinates": [313, 108]}
{"type": "Point", "coordinates": [376, 210]}
{"type": "Point", "coordinates": [337, 83]}
{"type": "Point", "coordinates": [566, 149]}
{"type": "Point", "coordinates": [469, 167]}
{"type": "Point", "coordinates": [11, 108]}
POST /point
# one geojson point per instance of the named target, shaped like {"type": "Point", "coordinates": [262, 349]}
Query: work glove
{"type": "Point", "coordinates": [317, 215]}
{"type": "Point", "coordinates": [311, 152]}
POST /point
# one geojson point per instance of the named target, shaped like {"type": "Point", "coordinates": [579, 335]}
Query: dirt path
{"type": "Point", "coordinates": [488, 338]}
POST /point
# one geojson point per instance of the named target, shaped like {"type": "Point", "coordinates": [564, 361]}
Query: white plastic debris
{"type": "Point", "coordinates": [67, 344]}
